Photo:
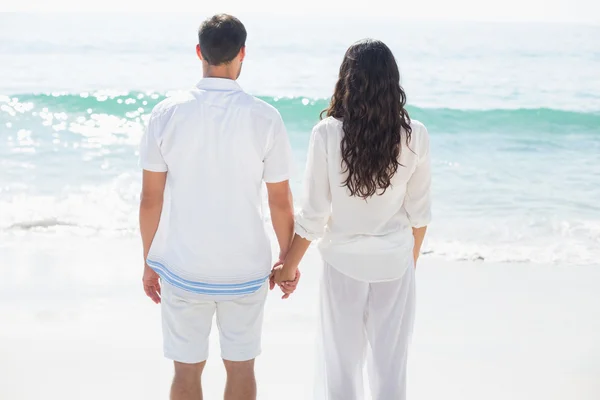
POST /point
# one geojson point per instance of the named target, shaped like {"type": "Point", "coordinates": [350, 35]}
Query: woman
{"type": "Point", "coordinates": [368, 198]}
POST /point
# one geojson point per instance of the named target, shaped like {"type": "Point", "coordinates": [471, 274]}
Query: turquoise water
{"type": "Point", "coordinates": [513, 113]}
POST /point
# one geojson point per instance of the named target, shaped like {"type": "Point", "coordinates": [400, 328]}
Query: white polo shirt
{"type": "Point", "coordinates": [369, 240]}
{"type": "Point", "coordinates": [218, 145]}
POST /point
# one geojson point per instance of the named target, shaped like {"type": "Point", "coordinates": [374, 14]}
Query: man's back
{"type": "Point", "coordinates": [205, 156]}
{"type": "Point", "coordinates": [217, 144]}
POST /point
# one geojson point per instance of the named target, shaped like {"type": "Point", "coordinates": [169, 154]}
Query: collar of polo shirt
{"type": "Point", "coordinates": [218, 84]}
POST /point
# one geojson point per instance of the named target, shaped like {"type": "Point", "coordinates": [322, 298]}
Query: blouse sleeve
{"type": "Point", "coordinates": [316, 204]}
{"type": "Point", "coordinates": [418, 192]}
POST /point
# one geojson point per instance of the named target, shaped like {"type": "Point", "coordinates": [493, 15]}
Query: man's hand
{"type": "Point", "coordinates": [151, 284]}
{"type": "Point", "coordinates": [272, 277]}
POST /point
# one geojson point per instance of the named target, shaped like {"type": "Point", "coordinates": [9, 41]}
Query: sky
{"type": "Point", "coordinates": [572, 11]}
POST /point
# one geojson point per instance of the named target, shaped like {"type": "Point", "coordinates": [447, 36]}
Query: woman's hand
{"type": "Point", "coordinates": [283, 274]}
{"type": "Point", "coordinates": [286, 278]}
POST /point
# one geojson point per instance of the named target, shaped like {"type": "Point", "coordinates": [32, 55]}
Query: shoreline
{"type": "Point", "coordinates": [483, 330]}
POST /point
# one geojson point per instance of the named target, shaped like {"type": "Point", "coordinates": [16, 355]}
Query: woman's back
{"type": "Point", "coordinates": [366, 238]}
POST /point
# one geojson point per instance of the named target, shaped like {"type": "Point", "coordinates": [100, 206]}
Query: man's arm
{"type": "Point", "coordinates": [281, 205]}
{"type": "Point", "coordinates": [151, 204]}
{"type": "Point", "coordinates": [286, 274]}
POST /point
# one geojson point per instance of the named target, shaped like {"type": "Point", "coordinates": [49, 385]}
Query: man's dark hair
{"type": "Point", "coordinates": [221, 38]}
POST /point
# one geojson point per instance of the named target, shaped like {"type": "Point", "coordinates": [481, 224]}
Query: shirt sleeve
{"type": "Point", "coordinates": [278, 159]}
{"type": "Point", "coordinates": [316, 205]}
{"type": "Point", "coordinates": [418, 191]}
{"type": "Point", "coordinates": [151, 158]}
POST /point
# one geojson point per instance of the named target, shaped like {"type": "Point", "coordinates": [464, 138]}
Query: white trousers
{"type": "Point", "coordinates": [360, 319]}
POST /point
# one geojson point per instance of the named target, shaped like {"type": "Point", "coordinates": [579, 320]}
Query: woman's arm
{"type": "Point", "coordinates": [315, 208]}
{"type": "Point", "coordinates": [419, 235]}
{"type": "Point", "coordinates": [418, 194]}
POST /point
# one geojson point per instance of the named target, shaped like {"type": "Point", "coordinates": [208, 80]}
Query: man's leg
{"type": "Point", "coordinates": [187, 382]}
{"type": "Point", "coordinates": [241, 383]}
{"type": "Point", "coordinates": [186, 328]}
{"type": "Point", "coordinates": [240, 326]}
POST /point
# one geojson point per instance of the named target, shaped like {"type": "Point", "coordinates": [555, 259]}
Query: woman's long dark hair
{"type": "Point", "coordinates": [370, 102]}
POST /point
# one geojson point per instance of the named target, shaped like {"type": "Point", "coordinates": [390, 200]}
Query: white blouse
{"type": "Point", "coordinates": [368, 240]}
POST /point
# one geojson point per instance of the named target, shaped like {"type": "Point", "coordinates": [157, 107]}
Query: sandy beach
{"type": "Point", "coordinates": [74, 323]}
{"type": "Point", "coordinates": [513, 112]}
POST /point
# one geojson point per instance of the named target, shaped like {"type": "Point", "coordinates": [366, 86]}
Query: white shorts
{"type": "Point", "coordinates": [187, 322]}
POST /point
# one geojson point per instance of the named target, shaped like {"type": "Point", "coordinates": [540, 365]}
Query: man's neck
{"type": "Point", "coordinates": [218, 72]}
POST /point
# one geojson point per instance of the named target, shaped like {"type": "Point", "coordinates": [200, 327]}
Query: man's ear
{"type": "Point", "coordinates": [199, 52]}
{"type": "Point", "coordinates": [242, 53]}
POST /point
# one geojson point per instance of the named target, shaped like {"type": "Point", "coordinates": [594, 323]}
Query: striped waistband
{"type": "Point", "coordinates": [206, 288]}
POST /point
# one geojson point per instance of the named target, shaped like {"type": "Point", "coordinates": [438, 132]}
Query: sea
{"type": "Point", "coordinates": [513, 111]}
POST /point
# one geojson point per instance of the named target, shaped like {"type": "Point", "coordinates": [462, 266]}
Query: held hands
{"type": "Point", "coordinates": [286, 278]}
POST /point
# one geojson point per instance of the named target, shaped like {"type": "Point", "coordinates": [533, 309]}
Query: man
{"type": "Point", "coordinates": [213, 147]}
